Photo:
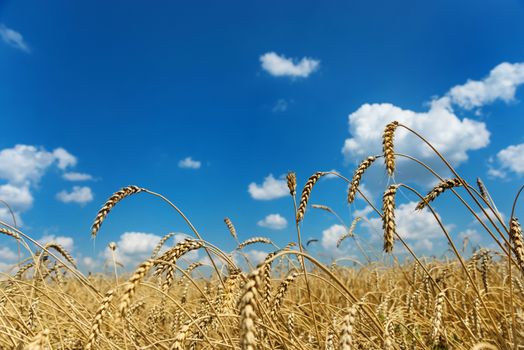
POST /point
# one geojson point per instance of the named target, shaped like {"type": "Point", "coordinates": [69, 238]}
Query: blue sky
{"type": "Point", "coordinates": [198, 100]}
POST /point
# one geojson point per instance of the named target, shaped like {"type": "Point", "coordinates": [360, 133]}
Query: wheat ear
{"type": "Point", "coordinates": [387, 147]}
{"type": "Point", "coordinates": [437, 191]}
{"type": "Point", "coordinates": [306, 192]}
{"type": "Point", "coordinates": [357, 176]}
{"type": "Point", "coordinates": [132, 283]}
{"type": "Point", "coordinates": [230, 227]}
{"type": "Point", "coordinates": [515, 235]}
{"type": "Point", "coordinates": [161, 243]}
{"type": "Point", "coordinates": [247, 305]}
{"type": "Point", "coordinates": [388, 219]}
{"type": "Point", "coordinates": [110, 203]}
{"type": "Point", "coordinates": [96, 325]}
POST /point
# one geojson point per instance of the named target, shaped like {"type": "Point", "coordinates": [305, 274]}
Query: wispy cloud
{"type": "Point", "coordinates": [280, 66]}
{"type": "Point", "coordinates": [189, 163]}
{"type": "Point", "coordinates": [13, 38]}
{"type": "Point", "coordinates": [271, 188]}
{"type": "Point", "coordinates": [79, 195]}
{"type": "Point", "coordinates": [74, 176]}
{"type": "Point", "coordinates": [280, 106]}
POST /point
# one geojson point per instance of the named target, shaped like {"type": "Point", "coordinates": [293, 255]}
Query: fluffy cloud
{"type": "Point", "coordinates": [19, 198]}
{"type": "Point", "coordinates": [22, 167]}
{"type": "Point", "coordinates": [256, 256]}
{"type": "Point", "coordinates": [274, 222]}
{"type": "Point", "coordinates": [510, 158]}
{"type": "Point", "coordinates": [451, 135]}
{"type": "Point", "coordinates": [24, 164]}
{"type": "Point", "coordinates": [13, 38]}
{"type": "Point", "coordinates": [74, 176]}
{"type": "Point", "coordinates": [134, 247]}
{"type": "Point", "coordinates": [189, 163]}
{"type": "Point", "coordinates": [501, 83]}
{"type": "Point", "coordinates": [80, 195]}
{"type": "Point", "coordinates": [448, 133]}
{"type": "Point", "coordinates": [64, 158]}
{"type": "Point", "coordinates": [278, 65]}
{"type": "Point", "coordinates": [271, 188]}
{"type": "Point", "coordinates": [330, 238]}
{"type": "Point", "coordinates": [7, 254]}
{"type": "Point", "coordinates": [67, 242]}
{"type": "Point", "coordinates": [418, 228]}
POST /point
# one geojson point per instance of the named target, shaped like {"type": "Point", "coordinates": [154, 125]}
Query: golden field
{"type": "Point", "coordinates": [290, 300]}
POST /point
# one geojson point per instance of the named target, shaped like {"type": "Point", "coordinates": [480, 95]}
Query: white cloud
{"type": "Point", "coordinates": [65, 241]}
{"type": "Point", "coordinates": [279, 66]}
{"type": "Point", "coordinates": [330, 238]}
{"type": "Point", "coordinates": [453, 136]}
{"type": "Point", "coordinates": [6, 216]}
{"type": "Point", "coordinates": [256, 256]}
{"type": "Point", "coordinates": [448, 133]}
{"type": "Point", "coordinates": [134, 247]}
{"type": "Point", "coordinates": [274, 222]}
{"type": "Point", "coordinates": [19, 198]}
{"type": "Point", "coordinates": [23, 163]}
{"type": "Point", "coordinates": [472, 235]}
{"type": "Point", "coordinates": [22, 167]}
{"type": "Point", "coordinates": [510, 158]}
{"type": "Point", "coordinates": [419, 228]}
{"type": "Point", "coordinates": [501, 83]}
{"type": "Point", "coordinates": [90, 263]}
{"type": "Point", "coordinates": [79, 194]}
{"type": "Point", "coordinates": [13, 38]}
{"type": "Point", "coordinates": [7, 254]}
{"type": "Point", "coordinates": [74, 176]}
{"type": "Point", "coordinates": [64, 158]}
{"type": "Point", "coordinates": [189, 163]}
{"type": "Point", "coordinates": [271, 188]}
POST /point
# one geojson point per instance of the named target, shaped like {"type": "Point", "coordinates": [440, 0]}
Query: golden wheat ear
{"type": "Point", "coordinates": [306, 193]}
{"type": "Point", "coordinates": [110, 203]}
{"type": "Point", "coordinates": [516, 238]}
{"type": "Point", "coordinates": [437, 191]}
{"type": "Point", "coordinates": [357, 176]}
{"type": "Point", "coordinates": [387, 147]}
{"type": "Point", "coordinates": [388, 219]}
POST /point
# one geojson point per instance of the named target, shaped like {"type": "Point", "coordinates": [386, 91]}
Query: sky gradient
{"type": "Point", "coordinates": [206, 103]}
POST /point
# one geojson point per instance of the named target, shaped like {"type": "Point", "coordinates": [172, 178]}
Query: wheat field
{"type": "Point", "coordinates": [291, 300]}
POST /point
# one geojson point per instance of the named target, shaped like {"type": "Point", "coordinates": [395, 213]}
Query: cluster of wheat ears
{"type": "Point", "coordinates": [288, 301]}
